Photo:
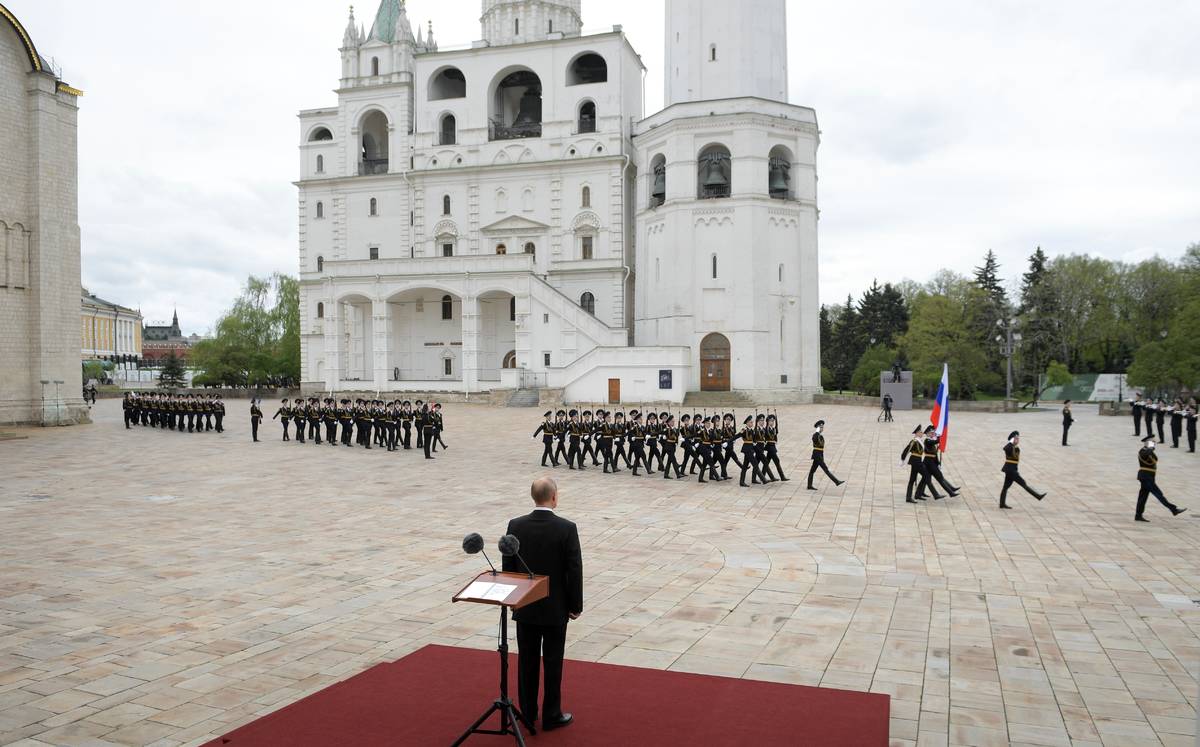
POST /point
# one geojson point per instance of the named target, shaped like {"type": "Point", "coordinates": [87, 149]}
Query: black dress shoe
{"type": "Point", "coordinates": [1138, 518]}
{"type": "Point", "coordinates": [1176, 513]}
{"type": "Point", "coordinates": [1040, 496]}
{"type": "Point", "coordinates": [564, 719]}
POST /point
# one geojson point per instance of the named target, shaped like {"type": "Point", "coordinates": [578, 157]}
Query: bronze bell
{"type": "Point", "coordinates": [714, 175]}
{"type": "Point", "coordinates": [779, 176]}
{"type": "Point", "coordinates": [530, 111]}
{"type": "Point", "coordinates": [660, 181]}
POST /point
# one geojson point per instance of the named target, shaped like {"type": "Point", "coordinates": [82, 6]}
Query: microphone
{"type": "Point", "coordinates": [472, 544]}
{"type": "Point", "coordinates": [509, 546]}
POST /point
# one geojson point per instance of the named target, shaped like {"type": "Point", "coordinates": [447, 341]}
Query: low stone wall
{"type": "Point", "coordinates": [1000, 405]}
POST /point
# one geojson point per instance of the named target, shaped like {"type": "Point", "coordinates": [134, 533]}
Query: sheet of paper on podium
{"type": "Point", "coordinates": [490, 591]}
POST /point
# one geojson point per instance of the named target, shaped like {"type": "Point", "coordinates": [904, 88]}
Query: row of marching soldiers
{"type": "Point", "coordinates": [194, 412]}
{"type": "Point", "coordinates": [650, 441]}
{"type": "Point", "coordinates": [389, 425]}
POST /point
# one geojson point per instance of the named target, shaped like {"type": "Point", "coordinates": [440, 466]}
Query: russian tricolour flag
{"type": "Point", "coordinates": [940, 417]}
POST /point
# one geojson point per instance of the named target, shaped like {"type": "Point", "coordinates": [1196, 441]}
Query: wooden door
{"type": "Point", "coordinates": [714, 363]}
{"type": "Point", "coordinates": [614, 391]}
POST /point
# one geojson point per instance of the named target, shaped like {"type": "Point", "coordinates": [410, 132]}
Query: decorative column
{"type": "Point", "coordinates": [331, 328]}
{"type": "Point", "coordinates": [470, 343]}
{"type": "Point", "coordinates": [380, 343]}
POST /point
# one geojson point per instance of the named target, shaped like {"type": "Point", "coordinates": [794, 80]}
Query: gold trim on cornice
{"type": "Point", "coordinates": [34, 57]}
{"type": "Point", "coordinates": [64, 88]}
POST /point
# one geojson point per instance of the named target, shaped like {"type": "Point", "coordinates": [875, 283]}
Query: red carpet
{"type": "Point", "coordinates": [429, 697]}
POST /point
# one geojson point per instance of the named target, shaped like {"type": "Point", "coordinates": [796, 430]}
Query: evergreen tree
{"type": "Point", "coordinates": [1039, 315]}
{"type": "Point", "coordinates": [987, 278]}
{"type": "Point", "coordinates": [991, 308]}
{"type": "Point", "coordinates": [847, 345]}
{"type": "Point", "coordinates": [884, 314]}
{"type": "Point", "coordinates": [172, 375]}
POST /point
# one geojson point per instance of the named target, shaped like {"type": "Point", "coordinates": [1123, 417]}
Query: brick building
{"type": "Point", "coordinates": [40, 376]}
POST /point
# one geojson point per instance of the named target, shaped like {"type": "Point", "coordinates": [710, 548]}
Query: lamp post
{"type": "Point", "coordinates": [58, 402]}
{"type": "Point", "coordinates": [1008, 341]}
{"type": "Point", "coordinates": [44, 383]}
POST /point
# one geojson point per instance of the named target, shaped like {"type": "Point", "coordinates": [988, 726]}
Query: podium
{"type": "Point", "coordinates": [504, 590]}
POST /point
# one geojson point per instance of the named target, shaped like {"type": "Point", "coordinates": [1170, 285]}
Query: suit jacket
{"type": "Point", "coordinates": [550, 545]}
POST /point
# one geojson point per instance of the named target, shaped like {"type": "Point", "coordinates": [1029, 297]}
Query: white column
{"type": "Point", "coordinates": [379, 343]}
{"type": "Point", "coordinates": [470, 343]}
{"type": "Point", "coordinates": [331, 327]}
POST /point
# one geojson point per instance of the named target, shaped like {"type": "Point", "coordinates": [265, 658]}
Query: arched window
{"type": "Point", "coordinates": [320, 310]}
{"type": "Point", "coordinates": [320, 164]}
{"type": "Point", "coordinates": [501, 249]}
{"type": "Point", "coordinates": [319, 134]}
{"type": "Point", "coordinates": [512, 309]}
{"type": "Point", "coordinates": [658, 180]}
{"type": "Point", "coordinates": [517, 26]}
{"type": "Point", "coordinates": [320, 264]}
{"type": "Point", "coordinates": [530, 248]}
{"type": "Point", "coordinates": [445, 204]}
{"type": "Point", "coordinates": [515, 108]}
{"type": "Point", "coordinates": [374, 206]}
{"type": "Point", "coordinates": [587, 117]}
{"type": "Point", "coordinates": [714, 266]}
{"type": "Point", "coordinates": [588, 302]}
{"type": "Point", "coordinates": [374, 66]}
{"type": "Point", "coordinates": [781, 273]}
{"type": "Point", "coordinates": [712, 173]}
{"type": "Point", "coordinates": [449, 83]}
{"type": "Point", "coordinates": [779, 173]}
{"type": "Point", "coordinates": [527, 200]}
{"type": "Point", "coordinates": [320, 210]}
{"type": "Point", "coordinates": [447, 307]}
{"type": "Point", "coordinates": [501, 201]}
{"type": "Point", "coordinates": [587, 68]}
{"type": "Point", "coordinates": [585, 197]}
{"type": "Point", "coordinates": [374, 153]}
{"type": "Point", "coordinates": [449, 129]}
{"type": "Point", "coordinates": [586, 244]}
{"type": "Point", "coordinates": [712, 52]}
{"type": "Point", "coordinates": [510, 359]}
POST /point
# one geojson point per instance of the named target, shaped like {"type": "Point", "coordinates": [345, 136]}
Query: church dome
{"type": "Point", "coordinates": [520, 21]}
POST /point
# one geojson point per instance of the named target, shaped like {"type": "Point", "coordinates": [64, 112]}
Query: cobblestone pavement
{"type": "Point", "coordinates": [164, 588]}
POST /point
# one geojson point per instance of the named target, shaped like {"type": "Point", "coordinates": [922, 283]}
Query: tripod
{"type": "Point", "coordinates": [510, 717]}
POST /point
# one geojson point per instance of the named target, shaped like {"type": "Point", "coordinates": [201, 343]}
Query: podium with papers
{"type": "Point", "coordinates": [504, 590]}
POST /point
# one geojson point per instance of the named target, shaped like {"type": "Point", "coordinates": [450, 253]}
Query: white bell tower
{"type": "Point", "coordinates": [717, 49]}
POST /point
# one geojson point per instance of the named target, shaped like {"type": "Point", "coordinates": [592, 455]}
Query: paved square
{"type": "Point", "coordinates": [164, 588]}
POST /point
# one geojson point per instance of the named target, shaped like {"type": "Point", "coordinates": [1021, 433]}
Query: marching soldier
{"type": "Point", "coordinates": [818, 456]}
{"type": "Point", "coordinates": [1067, 420]}
{"type": "Point", "coordinates": [299, 414]}
{"type": "Point", "coordinates": [670, 439]}
{"type": "Point", "coordinates": [748, 460]}
{"type": "Point", "coordinates": [1148, 414]}
{"type": "Point", "coordinates": [1176, 412]}
{"type": "Point", "coordinates": [575, 433]}
{"type": "Point", "coordinates": [219, 413]}
{"type": "Point", "coordinates": [419, 419]}
{"type": "Point", "coordinates": [346, 421]}
{"type": "Point", "coordinates": [547, 431]}
{"type": "Point", "coordinates": [438, 427]}
{"type": "Point", "coordinates": [406, 421]}
{"type": "Point", "coordinates": [619, 433]}
{"type": "Point", "coordinates": [729, 434]}
{"type": "Point", "coordinates": [771, 439]}
{"type": "Point", "coordinates": [1147, 474]}
{"type": "Point", "coordinates": [933, 462]}
{"type": "Point", "coordinates": [918, 475]}
{"type": "Point", "coordinates": [428, 433]}
{"type": "Point", "coordinates": [1011, 470]}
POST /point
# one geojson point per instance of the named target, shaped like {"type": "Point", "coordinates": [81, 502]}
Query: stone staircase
{"type": "Point", "coordinates": [525, 398]}
{"type": "Point", "coordinates": [719, 399]}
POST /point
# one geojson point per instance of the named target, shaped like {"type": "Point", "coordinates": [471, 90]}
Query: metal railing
{"type": "Point", "coordinates": [498, 131]}
{"type": "Point", "coordinates": [373, 166]}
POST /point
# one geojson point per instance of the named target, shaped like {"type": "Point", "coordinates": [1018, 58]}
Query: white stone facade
{"type": "Point", "coordinates": [479, 219]}
{"type": "Point", "coordinates": [39, 237]}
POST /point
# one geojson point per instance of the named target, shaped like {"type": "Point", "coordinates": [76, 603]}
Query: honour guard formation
{"type": "Point", "coordinates": [366, 423]}
{"type": "Point", "coordinates": [653, 442]}
{"type": "Point", "coordinates": [194, 413]}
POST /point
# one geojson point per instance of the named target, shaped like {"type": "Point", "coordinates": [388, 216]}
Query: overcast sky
{"type": "Point", "coordinates": [949, 127]}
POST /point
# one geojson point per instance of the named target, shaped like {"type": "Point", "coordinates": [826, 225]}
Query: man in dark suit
{"type": "Point", "coordinates": [550, 545]}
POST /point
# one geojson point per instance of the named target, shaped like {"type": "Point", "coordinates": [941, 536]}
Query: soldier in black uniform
{"type": "Point", "coordinates": [1160, 415]}
{"type": "Point", "coordinates": [619, 430]}
{"type": "Point", "coordinates": [760, 448]}
{"type": "Point", "coordinates": [1012, 474]}
{"type": "Point", "coordinates": [1148, 414]}
{"type": "Point", "coordinates": [771, 444]}
{"type": "Point", "coordinates": [670, 438]}
{"type": "Point", "coordinates": [686, 442]}
{"type": "Point", "coordinates": [918, 475]}
{"type": "Point", "coordinates": [729, 434]}
{"type": "Point", "coordinates": [219, 413]}
{"type": "Point", "coordinates": [637, 443]}
{"type": "Point", "coordinates": [346, 421]}
{"type": "Point", "coordinates": [748, 460]}
{"type": "Point", "coordinates": [1147, 473]}
{"type": "Point", "coordinates": [127, 408]}
{"type": "Point", "coordinates": [419, 413]}
{"type": "Point", "coordinates": [652, 452]}
{"type": "Point", "coordinates": [1190, 416]}
{"type": "Point", "coordinates": [604, 440]}
{"type": "Point", "coordinates": [329, 415]}
{"type": "Point", "coordinates": [406, 421]}
{"type": "Point", "coordinates": [547, 431]}
{"type": "Point", "coordinates": [818, 456]}
{"type": "Point", "coordinates": [587, 442]}
{"type": "Point", "coordinates": [313, 415]}
{"type": "Point", "coordinates": [1135, 407]}
{"type": "Point", "coordinates": [256, 416]}
{"type": "Point", "coordinates": [1067, 420]}
{"type": "Point", "coordinates": [428, 432]}
{"type": "Point", "coordinates": [1176, 413]}
{"type": "Point", "coordinates": [933, 462]}
{"type": "Point", "coordinates": [574, 433]}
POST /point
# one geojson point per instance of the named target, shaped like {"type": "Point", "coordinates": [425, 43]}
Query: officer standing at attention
{"type": "Point", "coordinates": [256, 416]}
{"type": "Point", "coordinates": [1190, 415]}
{"type": "Point", "coordinates": [428, 433]}
{"type": "Point", "coordinates": [818, 456]}
{"type": "Point", "coordinates": [1135, 406]}
{"type": "Point", "coordinates": [1148, 414]}
{"type": "Point", "coordinates": [1176, 423]}
{"type": "Point", "coordinates": [1160, 414]}
{"type": "Point", "coordinates": [1012, 474]}
{"type": "Point", "coordinates": [1147, 470]}
{"type": "Point", "coordinates": [1067, 420]}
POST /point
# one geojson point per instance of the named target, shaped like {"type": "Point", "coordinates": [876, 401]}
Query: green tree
{"type": "Point", "coordinates": [874, 361]}
{"type": "Point", "coordinates": [1038, 315]}
{"type": "Point", "coordinates": [257, 341]}
{"type": "Point", "coordinates": [883, 315]}
{"type": "Point", "coordinates": [172, 375]}
{"type": "Point", "coordinates": [846, 346]}
{"type": "Point", "coordinates": [1151, 369]}
{"type": "Point", "coordinates": [1057, 374]}
{"type": "Point", "coordinates": [941, 331]}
